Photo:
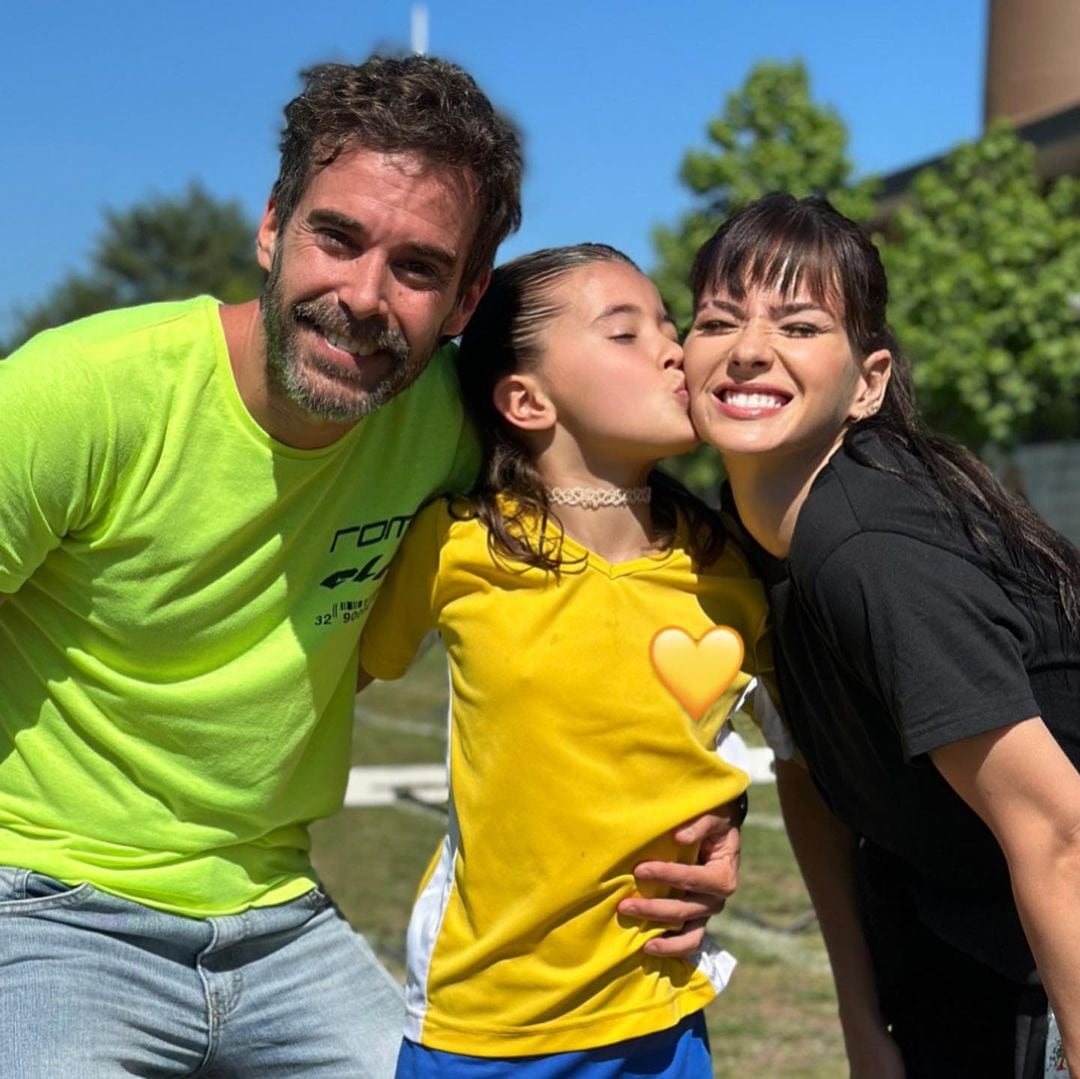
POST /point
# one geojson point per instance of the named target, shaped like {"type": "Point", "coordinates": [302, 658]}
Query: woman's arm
{"type": "Point", "coordinates": [824, 849]}
{"type": "Point", "coordinates": [1027, 791]}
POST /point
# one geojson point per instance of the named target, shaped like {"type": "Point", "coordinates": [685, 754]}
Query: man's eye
{"type": "Point", "coordinates": [332, 239]}
{"type": "Point", "coordinates": [417, 270]}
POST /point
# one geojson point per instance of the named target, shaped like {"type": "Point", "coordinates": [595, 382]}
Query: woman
{"type": "Point", "coordinates": [928, 655]}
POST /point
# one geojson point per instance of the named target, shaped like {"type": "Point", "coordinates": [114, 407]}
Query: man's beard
{"type": "Point", "coordinates": [321, 388]}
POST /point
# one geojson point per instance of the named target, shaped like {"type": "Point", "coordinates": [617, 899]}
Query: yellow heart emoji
{"type": "Point", "coordinates": [695, 671]}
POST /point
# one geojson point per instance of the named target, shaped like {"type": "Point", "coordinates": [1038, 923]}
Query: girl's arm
{"type": "Point", "coordinates": [1027, 791]}
{"type": "Point", "coordinates": [824, 849]}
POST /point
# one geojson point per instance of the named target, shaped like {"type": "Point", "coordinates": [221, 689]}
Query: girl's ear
{"type": "Point", "coordinates": [874, 380]}
{"type": "Point", "coordinates": [521, 400]}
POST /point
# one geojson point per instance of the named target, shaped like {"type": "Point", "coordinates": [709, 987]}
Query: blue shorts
{"type": "Point", "coordinates": [681, 1052]}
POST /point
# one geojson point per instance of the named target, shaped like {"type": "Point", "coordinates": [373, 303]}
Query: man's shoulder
{"type": "Point", "coordinates": [426, 428]}
{"type": "Point", "coordinates": [121, 322]}
{"type": "Point", "coordinates": [436, 388]}
{"type": "Point", "coordinates": [123, 333]}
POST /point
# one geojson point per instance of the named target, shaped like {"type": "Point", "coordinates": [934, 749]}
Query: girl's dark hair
{"type": "Point", "coordinates": [504, 337]}
{"type": "Point", "coordinates": [787, 243]}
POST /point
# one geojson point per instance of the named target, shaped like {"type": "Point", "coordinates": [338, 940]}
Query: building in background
{"type": "Point", "coordinates": [1032, 79]}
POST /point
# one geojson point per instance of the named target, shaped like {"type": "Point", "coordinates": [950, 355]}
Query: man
{"type": "Point", "coordinates": [197, 504]}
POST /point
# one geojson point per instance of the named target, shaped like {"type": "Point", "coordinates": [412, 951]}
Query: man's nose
{"type": "Point", "coordinates": [364, 286]}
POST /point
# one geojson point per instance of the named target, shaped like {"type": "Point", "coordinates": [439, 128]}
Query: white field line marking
{"type": "Point", "coordinates": [380, 722]}
{"type": "Point", "coordinates": [385, 784]}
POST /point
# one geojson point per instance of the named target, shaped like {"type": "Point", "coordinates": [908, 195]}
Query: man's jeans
{"type": "Point", "coordinates": [92, 987]}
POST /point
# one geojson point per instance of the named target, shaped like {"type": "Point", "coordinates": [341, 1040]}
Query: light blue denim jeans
{"type": "Point", "coordinates": [92, 986]}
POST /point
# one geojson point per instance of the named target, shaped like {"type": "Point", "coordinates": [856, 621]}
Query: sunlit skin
{"type": "Point", "coordinates": [365, 279]}
{"type": "Point", "coordinates": [611, 379]}
{"type": "Point", "coordinates": [774, 385]}
{"type": "Point", "coordinates": [606, 400]}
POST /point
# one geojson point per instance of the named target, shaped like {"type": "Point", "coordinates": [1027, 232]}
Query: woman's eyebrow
{"type": "Point", "coordinates": [794, 307]}
{"type": "Point", "coordinates": [724, 305]}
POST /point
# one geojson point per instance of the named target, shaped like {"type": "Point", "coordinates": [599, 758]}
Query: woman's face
{"type": "Point", "coordinates": [775, 373]}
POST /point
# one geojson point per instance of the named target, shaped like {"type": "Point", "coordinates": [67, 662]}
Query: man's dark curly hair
{"type": "Point", "coordinates": [409, 104]}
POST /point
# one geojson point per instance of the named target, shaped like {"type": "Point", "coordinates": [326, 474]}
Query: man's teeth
{"type": "Point", "coordinates": [347, 344]}
{"type": "Point", "coordinates": [753, 400]}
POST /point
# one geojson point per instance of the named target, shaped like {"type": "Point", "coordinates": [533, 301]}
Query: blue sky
{"type": "Point", "coordinates": [108, 103]}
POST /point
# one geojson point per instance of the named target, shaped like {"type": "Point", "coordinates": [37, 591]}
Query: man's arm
{"type": "Point", "coordinates": [824, 848]}
{"type": "Point", "coordinates": [703, 888]}
{"type": "Point", "coordinates": [1027, 791]}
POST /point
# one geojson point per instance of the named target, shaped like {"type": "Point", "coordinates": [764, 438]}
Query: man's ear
{"type": "Point", "coordinates": [267, 236]}
{"type": "Point", "coordinates": [875, 372]}
{"type": "Point", "coordinates": [521, 401]}
{"type": "Point", "coordinates": [457, 320]}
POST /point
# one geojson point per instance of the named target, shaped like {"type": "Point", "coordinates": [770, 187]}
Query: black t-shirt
{"type": "Point", "coordinates": [894, 636]}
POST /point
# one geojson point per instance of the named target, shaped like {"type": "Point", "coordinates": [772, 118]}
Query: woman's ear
{"type": "Point", "coordinates": [874, 374]}
{"type": "Point", "coordinates": [521, 400]}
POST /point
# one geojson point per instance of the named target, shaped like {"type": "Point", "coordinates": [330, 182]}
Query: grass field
{"type": "Point", "coordinates": [778, 1016]}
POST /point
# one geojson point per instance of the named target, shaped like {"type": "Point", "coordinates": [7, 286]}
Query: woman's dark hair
{"type": "Point", "coordinates": [503, 337]}
{"type": "Point", "coordinates": [786, 243]}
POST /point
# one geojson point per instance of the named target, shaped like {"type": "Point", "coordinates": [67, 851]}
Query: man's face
{"type": "Point", "coordinates": [364, 279]}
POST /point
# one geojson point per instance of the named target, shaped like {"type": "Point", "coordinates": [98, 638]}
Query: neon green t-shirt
{"type": "Point", "coordinates": [185, 596]}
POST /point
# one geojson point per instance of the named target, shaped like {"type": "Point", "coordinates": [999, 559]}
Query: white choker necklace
{"type": "Point", "coordinates": [594, 498]}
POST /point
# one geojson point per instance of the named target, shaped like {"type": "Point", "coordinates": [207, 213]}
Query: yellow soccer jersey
{"type": "Point", "coordinates": [569, 763]}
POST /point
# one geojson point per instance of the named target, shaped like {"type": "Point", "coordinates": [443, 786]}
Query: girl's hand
{"type": "Point", "coordinates": [701, 890]}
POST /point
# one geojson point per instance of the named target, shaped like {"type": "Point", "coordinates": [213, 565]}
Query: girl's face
{"type": "Point", "coordinates": [775, 373]}
{"type": "Point", "coordinates": [611, 366]}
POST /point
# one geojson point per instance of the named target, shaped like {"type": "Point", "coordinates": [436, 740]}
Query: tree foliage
{"type": "Point", "coordinates": [984, 283]}
{"type": "Point", "coordinates": [167, 248]}
{"type": "Point", "coordinates": [770, 136]}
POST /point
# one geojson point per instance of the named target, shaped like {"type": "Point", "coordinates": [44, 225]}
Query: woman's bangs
{"type": "Point", "coordinates": [789, 264]}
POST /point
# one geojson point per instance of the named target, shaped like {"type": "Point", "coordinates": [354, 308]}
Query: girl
{"type": "Point", "coordinates": [568, 754]}
{"type": "Point", "coordinates": [927, 652]}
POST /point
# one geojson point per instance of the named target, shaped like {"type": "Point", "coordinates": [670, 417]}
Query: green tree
{"type": "Point", "coordinates": [771, 136]}
{"type": "Point", "coordinates": [984, 284]}
{"type": "Point", "coordinates": [167, 248]}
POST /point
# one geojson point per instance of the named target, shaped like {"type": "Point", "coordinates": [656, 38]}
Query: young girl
{"type": "Point", "coordinates": [928, 653]}
{"type": "Point", "coordinates": [568, 754]}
